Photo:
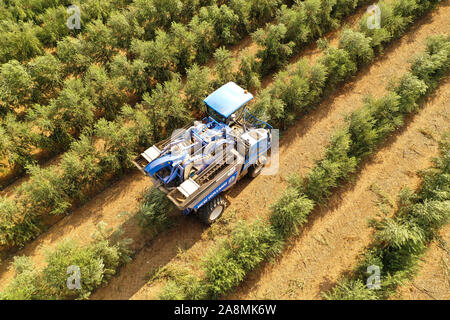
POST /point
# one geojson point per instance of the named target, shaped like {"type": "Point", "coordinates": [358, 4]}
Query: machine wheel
{"type": "Point", "coordinates": [255, 169]}
{"type": "Point", "coordinates": [213, 210]}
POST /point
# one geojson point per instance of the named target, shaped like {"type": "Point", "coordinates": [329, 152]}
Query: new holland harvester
{"type": "Point", "coordinates": [205, 158]}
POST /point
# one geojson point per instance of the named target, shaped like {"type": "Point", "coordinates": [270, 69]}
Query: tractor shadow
{"type": "Point", "coordinates": [151, 251]}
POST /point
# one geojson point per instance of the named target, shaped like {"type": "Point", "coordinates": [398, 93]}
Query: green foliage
{"type": "Point", "coordinates": [248, 74]}
{"type": "Point", "coordinates": [80, 168]}
{"type": "Point", "coordinates": [154, 210]}
{"type": "Point", "coordinates": [19, 41]}
{"type": "Point", "coordinates": [46, 74]}
{"type": "Point", "coordinates": [166, 108]}
{"type": "Point", "coordinates": [269, 108]}
{"type": "Point", "coordinates": [158, 55]}
{"type": "Point", "coordinates": [358, 47]}
{"type": "Point", "coordinates": [262, 11]}
{"type": "Point", "coordinates": [295, 92]}
{"type": "Point", "coordinates": [43, 193]}
{"type": "Point", "coordinates": [290, 212]}
{"type": "Point", "coordinates": [97, 261]}
{"type": "Point", "coordinates": [26, 282]}
{"type": "Point", "coordinates": [433, 64]}
{"type": "Point", "coordinates": [274, 52]}
{"type": "Point", "coordinates": [69, 51]}
{"type": "Point", "coordinates": [343, 8]}
{"type": "Point", "coordinates": [15, 229]}
{"type": "Point", "coordinates": [410, 89]}
{"type": "Point", "coordinates": [295, 20]}
{"type": "Point", "coordinates": [398, 233]}
{"type": "Point", "coordinates": [318, 75]}
{"type": "Point", "coordinates": [106, 93]}
{"type": "Point", "coordinates": [124, 29]}
{"type": "Point", "coordinates": [336, 165]}
{"type": "Point", "coordinates": [223, 66]}
{"type": "Point", "coordinates": [54, 25]}
{"type": "Point", "coordinates": [198, 86]}
{"type": "Point", "coordinates": [350, 290]}
{"type": "Point", "coordinates": [399, 241]}
{"type": "Point", "coordinates": [184, 42]}
{"type": "Point", "coordinates": [204, 38]}
{"type": "Point", "coordinates": [375, 121]}
{"type": "Point", "coordinates": [363, 136]}
{"type": "Point", "coordinates": [249, 244]}
{"type": "Point", "coordinates": [339, 65]}
{"type": "Point", "coordinates": [65, 116]}
{"type": "Point", "coordinates": [318, 16]}
{"type": "Point", "coordinates": [436, 180]}
{"type": "Point", "coordinates": [117, 150]}
{"type": "Point", "coordinates": [15, 86]}
{"type": "Point", "coordinates": [224, 20]}
{"type": "Point", "coordinates": [99, 43]}
{"type": "Point", "coordinates": [15, 141]}
{"type": "Point", "coordinates": [142, 128]}
{"type": "Point", "coordinates": [182, 285]}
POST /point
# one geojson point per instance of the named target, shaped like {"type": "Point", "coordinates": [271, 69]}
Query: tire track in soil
{"type": "Point", "coordinates": [432, 281]}
{"type": "Point", "coordinates": [330, 244]}
{"type": "Point", "coordinates": [305, 141]}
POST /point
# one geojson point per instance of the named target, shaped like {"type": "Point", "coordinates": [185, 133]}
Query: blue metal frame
{"type": "Point", "coordinates": [266, 125]}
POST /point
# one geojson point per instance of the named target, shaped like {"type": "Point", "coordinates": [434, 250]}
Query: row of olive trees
{"type": "Point", "coordinates": [103, 151]}
{"type": "Point", "coordinates": [225, 267]}
{"type": "Point", "coordinates": [153, 59]}
{"type": "Point", "coordinates": [98, 261]}
{"type": "Point", "coordinates": [285, 100]}
{"type": "Point", "coordinates": [401, 240]}
{"type": "Point", "coordinates": [75, 104]}
{"type": "Point", "coordinates": [37, 80]}
{"type": "Point", "coordinates": [87, 267]}
{"type": "Point", "coordinates": [28, 28]}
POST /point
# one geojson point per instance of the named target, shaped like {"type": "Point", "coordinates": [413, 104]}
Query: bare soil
{"type": "Point", "coordinates": [433, 279]}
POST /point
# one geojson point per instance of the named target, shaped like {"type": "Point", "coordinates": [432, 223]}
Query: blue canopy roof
{"type": "Point", "coordinates": [227, 99]}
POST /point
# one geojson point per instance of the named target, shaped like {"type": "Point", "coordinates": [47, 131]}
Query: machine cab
{"type": "Point", "coordinates": [227, 103]}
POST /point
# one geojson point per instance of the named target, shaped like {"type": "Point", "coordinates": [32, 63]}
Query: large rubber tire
{"type": "Point", "coordinates": [255, 170]}
{"type": "Point", "coordinates": [212, 211]}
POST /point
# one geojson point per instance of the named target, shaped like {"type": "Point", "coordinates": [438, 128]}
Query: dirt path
{"type": "Point", "coordinates": [301, 145]}
{"type": "Point", "coordinates": [433, 279]}
{"type": "Point", "coordinates": [335, 236]}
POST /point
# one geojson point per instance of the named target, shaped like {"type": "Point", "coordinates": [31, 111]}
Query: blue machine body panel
{"type": "Point", "coordinates": [226, 184]}
{"type": "Point", "coordinates": [227, 99]}
{"type": "Point", "coordinates": [196, 153]}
